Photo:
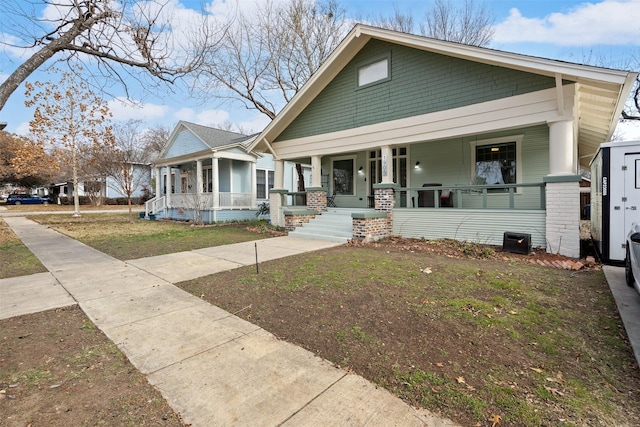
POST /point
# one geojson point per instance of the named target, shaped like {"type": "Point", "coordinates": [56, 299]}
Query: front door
{"type": "Point", "coordinates": [400, 159]}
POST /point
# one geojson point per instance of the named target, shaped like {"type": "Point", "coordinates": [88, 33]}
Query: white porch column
{"type": "Point", "coordinates": [562, 187]}
{"type": "Point", "coordinates": [254, 186]}
{"type": "Point", "coordinates": [215, 181]}
{"type": "Point", "coordinates": [199, 177]}
{"type": "Point", "coordinates": [168, 183]}
{"type": "Point", "coordinates": [316, 171]}
{"type": "Point", "coordinates": [158, 174]}
{"type": "Point", "coordinates": [562, 154]}
{"type": "Point", "coordinates": [386, 155]}
{"type": "Point", "coordinates": [278, 174]}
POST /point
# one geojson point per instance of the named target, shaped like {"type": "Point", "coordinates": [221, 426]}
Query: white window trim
{"type": "Point", "coordinates": [514, 138]}
{"type": "Point", "coordinates": [266, 181]}
{"type": "Point", "coordinates": [354, 172]}
{"type": "Point", "coordinates": [372, 61]}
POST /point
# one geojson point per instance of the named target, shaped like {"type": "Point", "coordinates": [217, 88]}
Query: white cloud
{"type": "Point", "coordinates": [122, 109]}
{"type": "Point", "coordinates": [206, 118]}
{"type": "Point", "coordinates": [628, 131]}
{"type": "Point", "coordinates": [611, 22]}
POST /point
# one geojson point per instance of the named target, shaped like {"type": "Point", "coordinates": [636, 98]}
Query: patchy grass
{"type": "Point", "coordinates": [114, 235]}
{"type": "Point", "coordinates": [467, 338]}
{"type": "Point", "coordinates": [15, 258]}
{"type": "Point", "coordinates": [56, 371]}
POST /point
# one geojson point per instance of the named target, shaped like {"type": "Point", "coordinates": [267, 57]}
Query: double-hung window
{"type": "Point", "coordinates": [497, 161]}
{"type": "Point", "coordinates": [264, 182]}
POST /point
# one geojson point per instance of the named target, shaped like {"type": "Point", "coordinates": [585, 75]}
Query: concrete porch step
{"type": "Point", "coordinates": [334, 225]}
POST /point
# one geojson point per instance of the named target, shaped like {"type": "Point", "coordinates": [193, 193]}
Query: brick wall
{"type": "Point", "coordinates": [371, 229]}
{"type": "Point", "coordinates": [563, 218]}
{"type": "Point", "coordinates": [292, 221]}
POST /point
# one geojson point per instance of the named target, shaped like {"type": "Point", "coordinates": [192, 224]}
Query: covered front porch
{"type": "Point", "coordinates": [472, 188]}
{"type": "Point", "coordinates": [218, 187]}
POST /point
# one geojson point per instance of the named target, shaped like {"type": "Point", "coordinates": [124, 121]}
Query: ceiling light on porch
{"type": "Point", "coordinates": [495, 148]}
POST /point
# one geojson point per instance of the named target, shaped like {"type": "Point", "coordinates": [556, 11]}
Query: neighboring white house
{"type": "Point", "coordinates": [107, 187]}
{"type": "Point", "coordinates": [210, 175]}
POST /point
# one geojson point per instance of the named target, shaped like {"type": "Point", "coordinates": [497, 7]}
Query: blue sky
{"type": "Point", "coordinates": [601, 32]}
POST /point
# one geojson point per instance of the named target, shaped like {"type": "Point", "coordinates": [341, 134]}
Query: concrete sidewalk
{"type": "Point", "coordinates": [211, 366]}
{"type": "Point", "coordinates": [628, 302]}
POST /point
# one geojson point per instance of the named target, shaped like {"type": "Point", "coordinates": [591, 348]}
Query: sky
{"type": "Point", "coordinates": [596, 32]}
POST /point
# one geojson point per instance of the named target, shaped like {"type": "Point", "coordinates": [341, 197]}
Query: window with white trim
{"type": "Point", "coordinates": [374, 72]}
{"type": "Point", "coordinates": [264, 182]}
{"type": "Point", "coordinates": [497, 161]}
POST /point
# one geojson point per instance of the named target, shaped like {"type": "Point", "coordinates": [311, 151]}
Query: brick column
{"type": "Point", "coordinates": [317, 199]}
{"type": "Point", "coordinates": [377, 225]}
{"type": "Point", "coordinates": [563, 215]}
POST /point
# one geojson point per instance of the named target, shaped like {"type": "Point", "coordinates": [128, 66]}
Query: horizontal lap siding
{"type": "Point", "coordinates": [421, 82]}
{"type": "Point", "coordinates": [185, 143]}
{"type": "Point", "coordinates": [477, 226]}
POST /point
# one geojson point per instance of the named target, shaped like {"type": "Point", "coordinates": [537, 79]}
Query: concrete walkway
{"type": "Point", "coordinates": [628, 302]}
{"type": "Point", "coordinates": [212, 367]}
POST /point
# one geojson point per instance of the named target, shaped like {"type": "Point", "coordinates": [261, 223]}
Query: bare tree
{"type": "Point", "coordinates": [397, 22]}
{"type": "Point", "coordinates": [125, 33]}
{"type": "Point", "coordinates": [125, 165]}
{"type": "Point", "coordinates": [465, 22]}
{"type": "Point", "coordinates": [154, 140]}
{"type": "Point", "coordinates": [68, 117]}
{"type": "Point", "coordinates": [265, 57]}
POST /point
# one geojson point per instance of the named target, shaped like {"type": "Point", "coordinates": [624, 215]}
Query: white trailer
{"type": "Point", "coordinates": [615, 197]}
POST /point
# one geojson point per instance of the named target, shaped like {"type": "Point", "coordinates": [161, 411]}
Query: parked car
{"type": "Point", "coordinates": [632, 259]}
{"type": "Point", "coordinates": [27, 199]}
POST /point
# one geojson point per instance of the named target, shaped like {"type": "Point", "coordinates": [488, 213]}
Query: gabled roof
{"type": "Point", "coordinates": [601, 92]}
{"type": "Point", "coordinates": [213, 138]}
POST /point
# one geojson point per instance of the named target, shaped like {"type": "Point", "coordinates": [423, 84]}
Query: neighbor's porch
{"type": "Point", "coordinates": [206, 188]}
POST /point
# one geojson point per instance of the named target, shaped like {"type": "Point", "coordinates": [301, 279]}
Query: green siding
{"type": "Point", "coordinates": [421, 82]}
{"type": "Point", "coordinates": [482, 226]}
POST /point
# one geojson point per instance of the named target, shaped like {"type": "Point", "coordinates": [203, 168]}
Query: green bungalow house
{"type": "Point", "coordinates": [417, 137]}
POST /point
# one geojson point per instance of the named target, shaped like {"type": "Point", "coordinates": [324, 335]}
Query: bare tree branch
{"type": "Point", "coordinates": [469, 23]}
{"type": "Point", "coordinates": [122, 32]}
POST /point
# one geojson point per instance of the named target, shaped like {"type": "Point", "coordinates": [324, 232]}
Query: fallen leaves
{"type": "Point", "coordinates": [495, 419]}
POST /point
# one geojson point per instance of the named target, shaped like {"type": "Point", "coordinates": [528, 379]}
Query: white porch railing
{"type": "Point", "coordinates": [204, 201]}
{"type": "Point", "coordinates": [155, 205]}
{"type": "Point", "coordinates": [236, 200]}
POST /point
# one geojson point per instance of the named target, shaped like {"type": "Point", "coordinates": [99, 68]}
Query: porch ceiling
{"type": "Point", "coordinates": [598, 109]}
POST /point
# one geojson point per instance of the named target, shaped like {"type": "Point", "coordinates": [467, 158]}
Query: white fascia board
{"type": "Point", "coordinates": [533, 64]}
{"type": "Point", "coordinates": [507, 113]}
{"type": "Point", "coordinates": [234, 156]}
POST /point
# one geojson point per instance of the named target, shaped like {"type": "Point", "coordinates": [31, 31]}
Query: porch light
{"type": "Point", "coordinates": [417, 165]}
{"type": "Point", "coordinates": [361, 170]}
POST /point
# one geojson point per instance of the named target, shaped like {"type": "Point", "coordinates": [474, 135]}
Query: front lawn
{"type": "Point", "coordinates": [114, 235]}
{"type": "Point", "coordinates": [15, 258]}
{"type": "Point", "coordinates": [475, 340]}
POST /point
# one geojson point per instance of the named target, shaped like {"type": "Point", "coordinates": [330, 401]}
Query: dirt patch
{"type": "Point", "coordinates": [58, 369]}
{"type": "Point", "coordinates": [468, 332]}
